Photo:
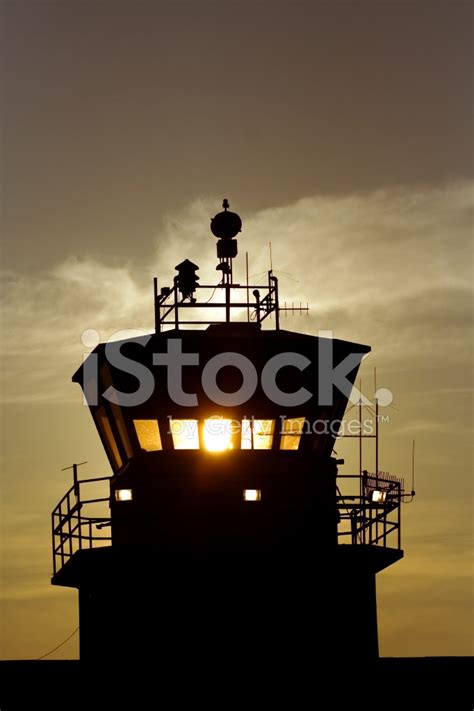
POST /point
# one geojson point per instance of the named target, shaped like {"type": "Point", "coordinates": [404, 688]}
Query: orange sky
{"type": "Point", "coordinates": [341, 129]}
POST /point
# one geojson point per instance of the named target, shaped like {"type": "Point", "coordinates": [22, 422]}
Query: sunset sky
{"type": "Point", "coordinates": [341, 131]}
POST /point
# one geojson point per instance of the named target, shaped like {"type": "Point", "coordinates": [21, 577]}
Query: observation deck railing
{"type": "Point", "coordinates": [72, 528]}
{"type": "Point", "coordinates": [364, 517]}
{"type": "Point", "coordinates": [372, 516]}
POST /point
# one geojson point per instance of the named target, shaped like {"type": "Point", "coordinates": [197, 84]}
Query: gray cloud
{"type": "Point", "coordinates": [390, 268]}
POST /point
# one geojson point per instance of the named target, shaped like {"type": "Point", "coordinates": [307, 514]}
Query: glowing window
{"type": "Point", "coordinates": [185, 434]}
{"type": "Point", "coordinates": [291, 433]}
{"type": "Point", "coordinates": [148, 435]}
{"type": "Point", "coordinates": [123, 495]}
{"type": "Point", "coordinates": [107, 434]}
{"type": "Point", "coordinates": [257, 434]}
{"type": "Point", "coordinates": [217, 434]}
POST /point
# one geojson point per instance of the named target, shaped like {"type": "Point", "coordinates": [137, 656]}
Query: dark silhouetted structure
{"type": "Point", "coordinates": [228, 540]}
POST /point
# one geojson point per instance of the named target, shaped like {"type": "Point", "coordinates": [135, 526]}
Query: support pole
{"type": "Point", "coordinates": [376, 439]}
{"type": "Point", "coordinates": [247, 281]}
{"type": "Point", "coordinates": [176, 315]}
{"type": "Point", "coordinates": [360, 428]}
{"type": "Point", "coordinates": [75, 481]}
{"type": "Point", "coordinates": [155, 302]}
{"type": "Point", "coordinates": [228, 280]}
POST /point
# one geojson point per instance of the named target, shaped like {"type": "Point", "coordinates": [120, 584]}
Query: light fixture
{"type": "Point", "coordinates": [252, 494]}
{"type": "Point", "coordinates": [123, 495]}
{"type": "Point", "coordinates": [379, 497]}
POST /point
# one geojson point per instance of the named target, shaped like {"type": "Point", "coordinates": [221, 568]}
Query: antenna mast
{"type": "Point", "coordinates": [171, 302]}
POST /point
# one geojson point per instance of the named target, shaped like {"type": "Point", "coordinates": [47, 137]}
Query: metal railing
{"type": "Point", "coordinates": [361, 519]}
{"type": "Point", "coordinates": [71, 529]}
{"type": "Point", "coordinates": [171, 308]}
{"type": "Point", "coordinates": [367, 521]}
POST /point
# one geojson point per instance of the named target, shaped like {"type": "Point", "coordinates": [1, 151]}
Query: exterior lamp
{"type": "Point", "coordinates": [252, 494]}
{"type": "Point", "coordinates": [123, 495]}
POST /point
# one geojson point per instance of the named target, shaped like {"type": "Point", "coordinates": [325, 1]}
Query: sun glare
{"type": "Point", "coordinates": [217, 434]}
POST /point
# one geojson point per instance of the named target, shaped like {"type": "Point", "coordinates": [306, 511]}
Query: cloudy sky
{"type": "Point", "coordinates": [341, 132]}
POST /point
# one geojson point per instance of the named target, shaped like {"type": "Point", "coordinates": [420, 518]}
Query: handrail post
{"type": "Point", "coordinates": [79, 506]}
{"type": "Point", "coordinates": [54, 544]}
{"type": "Point", "coordinates": [256, 294]}
{"type": "Point", "coordinates": [69, 526]}
{"type": "Point", "coordinates": [399, 517]}
{"type": "Point", "coordinates": [76, 482]}
{"type": "Point", "coordinates": [176, 301]}
{"type": "Point", "coordinates": [273, 279]}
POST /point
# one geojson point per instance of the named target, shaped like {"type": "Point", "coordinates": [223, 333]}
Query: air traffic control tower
{"type": "Point", "coordinates": [224, 531]}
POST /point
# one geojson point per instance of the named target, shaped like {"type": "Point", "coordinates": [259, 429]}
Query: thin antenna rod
{"type": "Point", "coordinates": [413, 468]}
{"type": "Point", "coordinates": [271, 260]}
{"type": "Point", "coordinates": [360, 427]}
{"type": "Point", "coordinates": [157, 311]}
{"type": "Point", "coordinates": [376, 427]}
{"type": "Point", "coordinates": [74, 476]}
{"type": "Point", "coordinates": [247, 281]}
{"type": "Point", "coordinates": [377, 439]}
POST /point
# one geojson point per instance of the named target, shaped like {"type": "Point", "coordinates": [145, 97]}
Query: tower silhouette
{"type": "Point", "coordinates": [226, 536]}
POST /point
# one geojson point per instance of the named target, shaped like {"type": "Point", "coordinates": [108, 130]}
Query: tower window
{"type": "Point", "coordinates": [184, 433]}
{"type": "Point", "coordinates": [291, 432]}
{"type": "Point", "coordinates": [122, 430]}
{"type": "Point", "coordinates": [148, 434]}
{"type": "Point", "coordinates": [108, 436]}
{"type": "Point", "coordinates": [257, 434]}
{"type": "Point", "coordinates": [217, 434]}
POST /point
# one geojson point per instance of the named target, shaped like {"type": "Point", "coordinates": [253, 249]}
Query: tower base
{"type": "Point", "coordinates": [138, 607]}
